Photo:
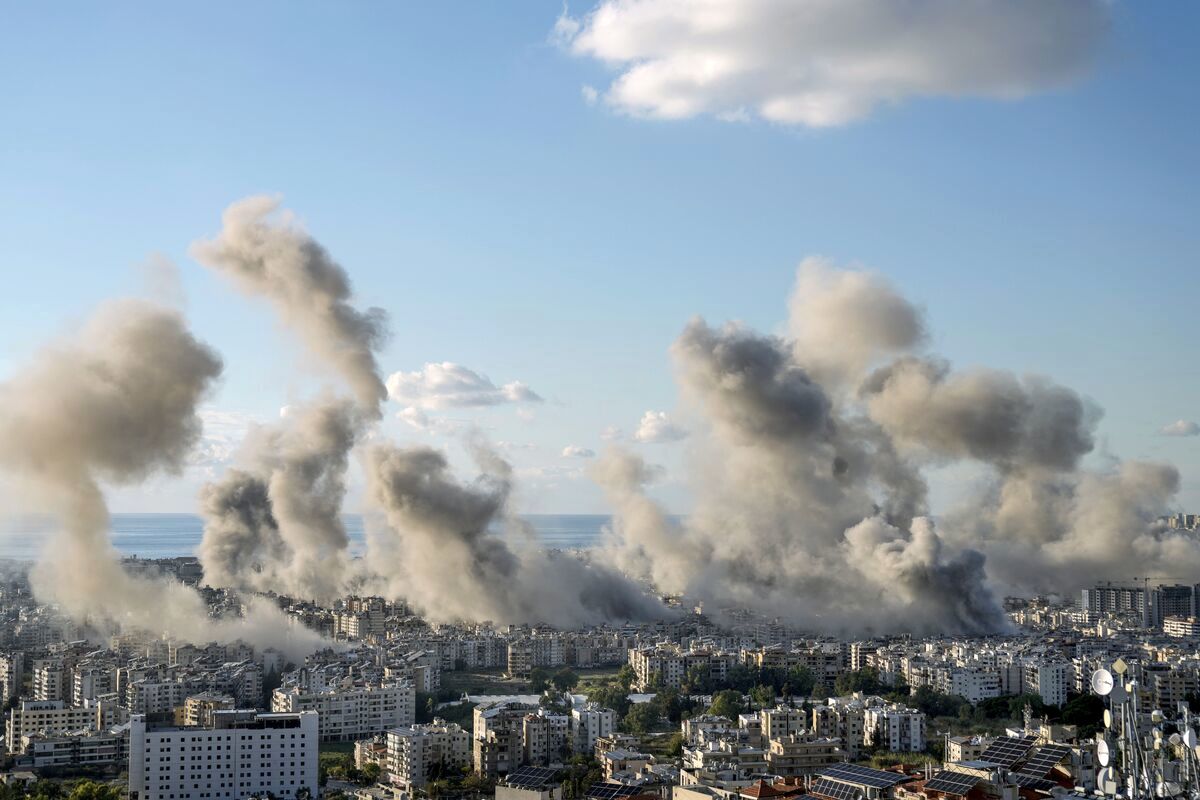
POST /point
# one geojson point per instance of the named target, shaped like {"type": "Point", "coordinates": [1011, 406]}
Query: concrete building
{"type": "Point", "coordinates": [802, 754]}
{"type": "Point", "coordinates": [349, 712]}
{"type": "Point", "coordinates": [53, 717]}
{"type": "Point", "coordinates": [894, 728]}
{"type": "Point", "coordinates": [1050, 680]}
{"type": "Point", "coordinates": [244, 754]}
{"type": "Point", "coordinates": [414, 751]}
{"type": "Point", "coordinates": [589, 723]}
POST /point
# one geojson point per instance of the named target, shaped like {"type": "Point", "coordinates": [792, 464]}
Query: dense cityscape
{"type": "Point", "coordinates": [695, 706]}
{"type": "Point", "coordinates": [599, 400]}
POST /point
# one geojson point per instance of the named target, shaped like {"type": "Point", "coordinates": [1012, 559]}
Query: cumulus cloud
{"type": "Point", "coordinates": [1180, 427]}
{"type": "Point", "coordinates": [432, 425]}
{"type": "Point", "coordinates": [443, 385]}
{"type": "Point", "coordinates": [613, 433]}
{"type": "Point", "coordinates": [657, 428]}
{"type": "Point", "coordinates": [575, 451]}
{"type": "Point", "coordinates": [821, 63]}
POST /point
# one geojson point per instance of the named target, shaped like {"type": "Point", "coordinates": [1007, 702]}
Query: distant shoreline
{"type": "Point", "coordinates": [168, 535]}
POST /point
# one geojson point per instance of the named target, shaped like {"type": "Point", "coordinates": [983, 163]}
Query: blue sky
{"type": "Point", "coordinates": [447, 157]}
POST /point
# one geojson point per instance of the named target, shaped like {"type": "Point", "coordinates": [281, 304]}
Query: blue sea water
{"type": "Point", "coordinates": [170, 535]}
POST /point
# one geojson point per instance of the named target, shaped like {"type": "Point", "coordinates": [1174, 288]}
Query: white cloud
{"type": "Point", "coordinates": [1180, 427]}
{"type": "Point", "coordinates": [449, 385]}
{"type": "Point", "coordinates": [575, 451]}
{"type": "Point", "coordinates": [612, 433]}
{"type": "Point", "coordinates": [657, 427]}
{"type": "Point", "coordinates": [590, 95]}
{"type": "Point", "coordinates": [821, 63]}
{"type": "Point", "coordinates": [222, 435]}
{"type": "Point", "coordinates": [416, 418]}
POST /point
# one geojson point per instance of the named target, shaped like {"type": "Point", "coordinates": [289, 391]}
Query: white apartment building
{"type": "Point", "coordinates": [1050, 680]}
{"type": "Point", "coordinates": [589, 723]}
{"type": "Point", "coordinates": [48, 678]}
{"type": "Point", "coordinates": [973, 683]}
{"type": "Point", "coordinates": [668, 665]}
{"type": "Point", "coordinates": [244, 754]}
{"type": "Point", "coordinates": [781, 721]}
{"type": "Point", "coordinates": [53, 717]}
{"type": "Point", "coordinates": [895, 728]}
{"type": "Point", "coordinates": [413, 751]}
{"type": "Point", "coordinates": [351, 712]}
{"type": "Point", "coordinates": [11, 666]}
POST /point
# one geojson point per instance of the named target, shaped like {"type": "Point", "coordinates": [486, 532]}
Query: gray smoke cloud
{"type": "Point", "coordinates": [811, 497]}
{"type": "Point", "coordinates": [268, 254]}
{"type": "Point", "coordinates": [275, 522]}
{"type": "Point", "coordinates": [443, 553]}
{"type": "Point", "coordinates": [116, 403]}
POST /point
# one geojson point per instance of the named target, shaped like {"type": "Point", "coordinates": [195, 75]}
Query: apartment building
{"type": "Point", "coordinates": [413, 752]}
{"type": "Point", "coordinates": [349, 712]}
{"type": "Point", "coordinates": [894, 727]}
{"type": "Point", "coordinates": [243, 754]}
{"type": "Point", "coordinates": [589, 723]}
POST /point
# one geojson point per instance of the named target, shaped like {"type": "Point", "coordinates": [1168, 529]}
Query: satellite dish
{"type": "Point", "coordinates": [1107, 718]}
{"type": "Point", "coordinates": [1189, 737]}
{"type": "Point", "coordinates": [1119, 666]}
{"type": "Point", "coordinates": [1102, 753]}
{"type": "Point", "coordinates": [1102, 682]}
{"type": "Point", "coordinates": [1157, 716]}
{"type": "Point", "coordinates": [1174, 788]}
{"type": "Point", "coordinates": [1175, 739]}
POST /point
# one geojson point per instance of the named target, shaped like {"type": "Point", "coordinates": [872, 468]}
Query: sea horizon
{"type": "Point", "coordinates": [175, 534]}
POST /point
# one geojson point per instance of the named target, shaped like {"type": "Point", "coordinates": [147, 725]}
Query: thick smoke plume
{"type": "Point", "coordinates": [267, 254]}
{"type": "Point", "coordinates": [811, 497]}
{"type": "Point", "coordinates": [275, 522]}
{"type": "Point", "coordinates": [116, 404]}
{"type": "Point", "coordinates": [450, 563]}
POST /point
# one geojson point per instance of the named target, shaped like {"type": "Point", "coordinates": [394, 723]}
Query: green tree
{"type": "Point", "coordinates": [626, 676]}
{"type": "Point", "coordinates": [612, 696]}
{"type": "Point", "coordinates": [864, 680]}
{"type": "Point", "coordinates": [370, 773]}
{"type": "Point", "coordinates": [565, 680]}
{"type": "Point", "coordinates": [641, 718]}
{"type": "Point", "coordinates": [800, 681]}
{"type": "Point", "coordinates": [92, 790]}
{"type": "Point", "coordinates": [727, 703]}
{"type": "Point", "coordinates": [763, 696]}
{"type": "Point", "coordinates": [539, 680]}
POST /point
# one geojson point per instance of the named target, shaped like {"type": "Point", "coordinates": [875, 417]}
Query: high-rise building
{"type": "Point", "coordinates": [243, 754]}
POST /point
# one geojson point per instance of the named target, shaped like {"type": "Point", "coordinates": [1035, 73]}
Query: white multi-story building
{"type": "Point", "coordinates": [413, 751]}
{"type": "Point", "coordinates": [48, 678]}
{"type": "Point", "coordinates": [1050, 680]}
{"type": "Point", "coordinates": [972, 683]}
{"type": "Point", "coordinates": [11, 666]}
{"type": "Point", "coordinates": [351, 712]}
{"type": "Point", "coordinates": [781, 721]}
{"type": "Point", "coordinates": [895, 728]}
{"type": "Point", "coordinates": [53, 717]}
{"type": "Point", "coordinates": [589, 723]}
{"type": "Point", "coordinates": [244, 754]}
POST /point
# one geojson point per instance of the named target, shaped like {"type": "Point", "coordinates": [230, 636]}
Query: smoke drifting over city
{"type": "Point", "coordinates": [808, 466]}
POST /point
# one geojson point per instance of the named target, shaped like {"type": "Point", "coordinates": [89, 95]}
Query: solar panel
{"type": "Point", "coordinates": [531, 777]}
{"type": "Point", "coordinates": [1032, 782]}
{"type": "Point", "coordinates": [611, 791]}
{"type": "Point", "coordinates": [1008, 750]}
{"type": "Point", "coordinates": [1045, 759]}
{"type": "Point", "coordinates": [835, 790]}
{"type": "Point", "coordinates": [952, 782]}
{"type": "Point", "coordinates": [863, 776]}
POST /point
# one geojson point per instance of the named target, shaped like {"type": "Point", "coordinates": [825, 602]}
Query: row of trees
{"type": "Point", "coordinates": [61, 790]}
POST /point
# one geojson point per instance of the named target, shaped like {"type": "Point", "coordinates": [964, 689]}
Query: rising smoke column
{"type": "Point", "coordinates": [115, 404]}
{"type": "Point", "coordinates": [811, 497]}
{"type": "Point", "coordinates": [268, 255]}
{"type": "Point", "coordinates": [448, 561]}
{"type": "Point", "coordinates": [275, 523]}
